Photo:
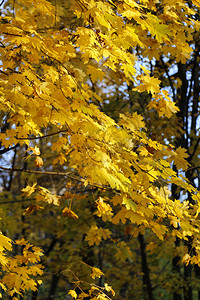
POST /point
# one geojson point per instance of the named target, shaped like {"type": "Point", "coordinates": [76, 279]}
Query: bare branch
{"type": "Point", "coordinates": [2, 2]}
{"type": "Point", "coordinates": [195, 149]}
{"type": "Point", "coordinates": [41, 137]}
{"type": "Point", "coordinates": [36, 172]}
{"type": "Point", "coordinates": [68, 174]}
{"type": "Point", "coordinates": [8, 149]}
{"type": "Point", "coordinates": [15, 201]}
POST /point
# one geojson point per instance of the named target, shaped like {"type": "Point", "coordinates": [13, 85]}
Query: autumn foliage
{"type": "Point", "coordinates": [58, 61]}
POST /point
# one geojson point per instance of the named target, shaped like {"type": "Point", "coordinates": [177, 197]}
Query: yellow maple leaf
{"type": "Point", "coordinates": [67, 212]}
{"type": "Point", "coordinates": [151, 247]}
{"type": "Point", "coordinates": [38, 162]}
{"type": "Point", "coordinates": [73, 294]}
{"type": "Point", "coordinates": [109, 289]}
{"type": "Point", "coordinates": [96, 272]}
{"type": "Point", "coordinates": [121, 215]}
{"type": "Point", "coordinates": [45, 195]}
{"type": "Point", "coordinates": [156, 28]}
{"type": "Point", "coordinates": [132, 122]}
{"type": "Point", "coordinates": [28, 190]}
{"type": "Point", "coordinates": [180, 158]}
{"type": "Point", "coordinates": [158, 229]}
{"type": "Point", "coordinates": [32, 208]}
{"type": "Point", "coordinates": [5, 243]}
{"type": "Point", "coordinates": [123, 252]}
{"type": "Point", "coordinates": [92, 236]}
{"type": "Point", "coordinates": [104, 210]}
{"type": "Point", "coordinates": [95, 73]}
{"type": "Point", "coordinates": [186, 259]}
{"type": "Point", "coordinates": [149, 84]}
{"type": "Point", "coordinates": [129, 203]}
{"type": "Point", "coordinates": [95, 235]}
{"type": "Point", "coordinates": [35, 150]}
{"type": "Point", "coordinates": [167, 108]}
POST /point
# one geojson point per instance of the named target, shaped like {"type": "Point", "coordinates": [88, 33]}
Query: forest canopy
{"type": "Point", "coordinates": [99, 144]}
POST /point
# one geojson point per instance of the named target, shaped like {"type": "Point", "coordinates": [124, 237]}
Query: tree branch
{"type": "Point", "coordinates": [68, 174]}
{"type": "Point", "coordinates": [195, 148]}
{"type": "Point", "coordinates": [8, 149]}
{"type": "Point", "coordinates": [15, 201]}
{"type": "Point", "coordinates": [41, 137]}
{"type": "Point", "coordinates": [2, 2]}
{"type": "Point", "coordinates": [36, 172]}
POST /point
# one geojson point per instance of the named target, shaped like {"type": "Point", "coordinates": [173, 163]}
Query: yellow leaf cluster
{"type": "Point", "coordinates": [95, 235]}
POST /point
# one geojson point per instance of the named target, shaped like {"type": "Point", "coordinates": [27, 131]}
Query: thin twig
{"type": "Point", "coordinates": [8, 149]}
{"type": "Point", "coordinates": [7, 33]}
{"type": "Point", "coordinates": [193, 168]}
{"type": "Point", "coordinates": [15, 201]}
{"type": "Point", "coordinates": [68, 174]}
{"type": "Point", "coordinates": [2, 2]}
{"type": "Point", "coordinates": [36, 172]}
{"type": "Point", "coordinates": [195, 149]}
{"type": "Point", "coordinates": [80, 3]}
{"type": "Point", "coordinates": [41, 137]}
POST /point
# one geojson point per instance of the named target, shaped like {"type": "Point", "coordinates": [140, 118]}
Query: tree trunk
{"type": "Point", "coordinates": [54, 284]}
{"type": "Point", "coordinates": [146, 274]}
{"type": "Point", "coordinates": [177, 295]}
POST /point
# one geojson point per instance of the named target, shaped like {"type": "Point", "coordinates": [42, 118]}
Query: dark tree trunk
{"type": "Point", "coordinates": [145, 270]}
{"type": "Point", "coordinates": [197, 275]}
{"type": "Point", "coordinates": [34, 295]}
{"type": "Point", "coordinates": [187, 286]}
{"type": "Point", "coordinates": [177, 295]}
{"type": "Point", "coordinates": [54, 284]}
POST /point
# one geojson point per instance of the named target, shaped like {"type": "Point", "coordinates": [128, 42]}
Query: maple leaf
{"type": "Point", "coordinates": [123, 252]}
{"type": "Point", "coordinates": [35, 150]}
{"type": "Point", "coordinates": [156, 28]}
{"type": "Point", "coordinates": [149, 84]}
{"type": "Point", "coordinates": [129, 203]}
{"type": "Point", "coordinates": [95, 73]}
{"type": "Point", "coordinates": [92, 236]}
{"type": "Point", "coordinates": [104, 210]}
{"type": "Point", "coordinates": [28, 190]}
{"type": "Point", "coordinates": [95, 235]}
{"type": "Point", "coordinates": [133, 123]}
{"type": "Point", "coordinates": [167, 108]}
{"type": "Point", "coordinates": [38, 162]}
{"type": "Point", "coordinates": [5, 244]}
{"type": "Point", "coordinates": [109, 289]}
{"type": "Point", "coordinates": [158, 229]}
{"type": "Point", "coordinates": [67, 212]}
{"type": "Point", "coordinates": [96, 272]}
{"type": "Point", "coordinates": [45, 195]}
{"type": "Point", "coordinates": [121, 215]}
{"type": "Point", "coordinates": [186, 259]}
{"type": "Point", "coordinates": [180, 158]}
{"type": "Point", "coordinates": [61, 158]}
{"type": "Point", "coordinates": [73, 294]}
{"type": "Point", "coordinates": [32, 208]}
{"type": "Point", "coordinates": [151, 247]}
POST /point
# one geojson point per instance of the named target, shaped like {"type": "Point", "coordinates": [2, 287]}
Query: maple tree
{"type": "Point", "coordinates": [54, 77]}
